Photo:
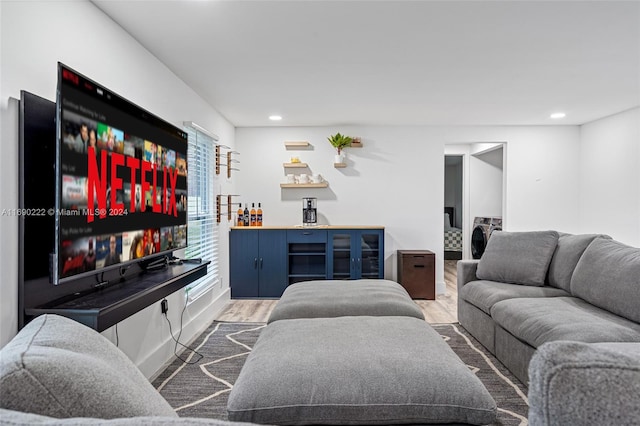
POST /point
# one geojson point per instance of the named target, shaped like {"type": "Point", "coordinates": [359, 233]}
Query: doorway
{"type": "Point", "coordinates": [474, 194]}
{"type": "Point", "coordinates": [453, 207]}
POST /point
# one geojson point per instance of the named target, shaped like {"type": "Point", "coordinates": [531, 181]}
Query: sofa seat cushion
{"type": "Point", "coordinates": [608, 276]}
{"type": "Point", "coordinates": [565, 258]}
{"type": "Point", "coordinates": [58, 367]}
{"type": "Point", "coordinates": [518, 257]}
{"type": "Point", "coordinates": [361, 370]}
{"type": "Point", "coordinates": [484, 294]}
{"type": "Point", "coordinates": [537, 321]}
{"type": "Point", "coordinates": [335, 298]}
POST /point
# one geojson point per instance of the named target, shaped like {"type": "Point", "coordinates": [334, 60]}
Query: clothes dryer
{"type": "Point", "coordinates": [482, 229]}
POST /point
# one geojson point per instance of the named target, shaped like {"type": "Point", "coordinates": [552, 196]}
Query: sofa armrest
{"type": "Point", "coordinates": [466, 271]}
{"type": "Point", "coordinates": [584, 383]}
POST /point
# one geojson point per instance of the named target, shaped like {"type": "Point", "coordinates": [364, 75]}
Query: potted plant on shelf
{"type": "Point", "coordinates": [339, 142]}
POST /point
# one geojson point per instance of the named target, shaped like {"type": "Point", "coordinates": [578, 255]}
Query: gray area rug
{"type": "Point", "coordinates": [200, 389]}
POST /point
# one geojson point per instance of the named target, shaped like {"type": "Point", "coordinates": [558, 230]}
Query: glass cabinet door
{"type": "Point", "coordinates": [356, 254]}
{"type": "Point", "coordinates": [341, 256]}
{"type": "Point", "coordinates": [369, 255]}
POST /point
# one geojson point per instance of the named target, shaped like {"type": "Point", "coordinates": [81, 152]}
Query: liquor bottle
{"type": "Point", "coordinates": [246, 215]}
{"type": "Point", "coordinates": [253, 215]}
{"type": "Point", "coordinates": [240, 218]}
{"type": "Point", "coordinates": [259, 215]}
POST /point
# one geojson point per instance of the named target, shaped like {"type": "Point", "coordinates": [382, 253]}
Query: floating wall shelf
{"type": "Point", "coordinates": [296, 144]}
{"type": "Point", "coordinates": [304, 185]}
{"type": "Point", "coordinates": [339, 165]}
{"type": "Point", "coordinates": [295, 165]}
{"type": "Point", "coordinates": [356, 143]}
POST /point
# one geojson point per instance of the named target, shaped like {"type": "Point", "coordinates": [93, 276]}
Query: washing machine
{"type": "Point", "coordinates": [483, 227]}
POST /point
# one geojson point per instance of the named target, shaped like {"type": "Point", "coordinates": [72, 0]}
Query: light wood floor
{"type": "Point", "coordinates": [442, 310]}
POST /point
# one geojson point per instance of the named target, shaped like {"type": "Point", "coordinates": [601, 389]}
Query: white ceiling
{"type": "Point", "coordinates": [328, 63]}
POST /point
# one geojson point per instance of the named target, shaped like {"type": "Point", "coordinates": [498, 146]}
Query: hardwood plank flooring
{"type": "Point", "coordinates": [442, 310]}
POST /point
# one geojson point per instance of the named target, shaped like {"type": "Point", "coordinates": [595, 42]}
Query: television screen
{"type": "Point", "coordinates": [121, 181]}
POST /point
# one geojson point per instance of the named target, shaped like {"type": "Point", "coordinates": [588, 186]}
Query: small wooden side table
{"type": "Point", "coordinates": [417, 273]}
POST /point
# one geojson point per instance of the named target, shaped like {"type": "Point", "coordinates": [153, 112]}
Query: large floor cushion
{"type": "Point", "coordinates": [58, 367]}
{"type": "Point", "coordinates": [537, 321]}
{"type": "Point", "coordinates": [484, 294]}
{"type": "Point", "coordinates": [17, 418]}
{"type": "Point", "coordinates": [358, 371]}
{"type": "Point", "coordinates": [335, 298]}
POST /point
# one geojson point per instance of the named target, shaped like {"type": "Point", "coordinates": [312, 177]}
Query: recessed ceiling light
{"type": "Point", "coordinates": [558, 115]}
{"type": "Point", "coordinates": [275, 117]}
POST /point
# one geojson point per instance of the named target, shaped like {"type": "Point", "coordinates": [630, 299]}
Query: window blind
{"type": "Point", "coordinates": [202, 229]}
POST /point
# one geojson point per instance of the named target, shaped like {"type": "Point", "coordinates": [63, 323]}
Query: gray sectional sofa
{"type": "Point", "coordinates": [570, 302]}
{"type": "Point", "coordinates": [560, 311]}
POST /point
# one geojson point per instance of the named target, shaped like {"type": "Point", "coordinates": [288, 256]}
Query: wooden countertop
{"type": "Point", "coordinates": [295, 227]}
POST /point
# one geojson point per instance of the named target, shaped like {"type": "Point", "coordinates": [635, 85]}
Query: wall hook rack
{"type": "Point", "coordinates": [220, 204]}
{"type": "Point", "coordinates": [230, 160]}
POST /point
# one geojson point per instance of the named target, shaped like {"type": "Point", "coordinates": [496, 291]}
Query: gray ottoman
{"type": "Point", "coordinates": [358, 371]}
{"type": "Point", "coordinates": [335, 298]}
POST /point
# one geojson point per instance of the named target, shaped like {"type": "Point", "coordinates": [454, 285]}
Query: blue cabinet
{"type": "Point", "coordinates": [263, 262]}
{"type": "Point", "coordinates": [355, 253]}
{"type": "Point", "coordinates": [257, 263]}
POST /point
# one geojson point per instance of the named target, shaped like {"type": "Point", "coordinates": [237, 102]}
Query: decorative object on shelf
{"type": "Point", "coordinates": [339, 142]}
{"type": "Point", "coordinates": [303, 179]}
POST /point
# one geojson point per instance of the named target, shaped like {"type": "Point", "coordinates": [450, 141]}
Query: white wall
{"type": "Point", "coordinates": [397, 179]}
{"type": "Point", "coordinates": [610, 177]}
{"type": "Point", "coordinates": [486, 181]}
{"type": "Point", "coordinates": [35, 36]}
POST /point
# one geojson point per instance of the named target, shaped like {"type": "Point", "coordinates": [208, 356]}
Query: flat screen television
{"type": "Point", "coordinates": [121, 181]}
{"type": "Point", "coordinates": [37, 177]}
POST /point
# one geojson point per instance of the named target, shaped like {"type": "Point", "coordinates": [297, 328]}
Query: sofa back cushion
{"type": "Point", "coordinates": [518, 257]}
{"type": "Point", "coordinates": [608, 276]}
{"type": "Point", "coordinates": [565, 258]}
{"type": "Point", "coordinates": [58, 367]}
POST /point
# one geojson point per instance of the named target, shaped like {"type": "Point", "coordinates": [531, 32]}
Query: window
{"type": "Point", "coordinates": [202, 230]}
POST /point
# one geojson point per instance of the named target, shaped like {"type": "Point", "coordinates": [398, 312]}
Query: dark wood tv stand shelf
{"type": "Point", "coordinates": [103, 308]}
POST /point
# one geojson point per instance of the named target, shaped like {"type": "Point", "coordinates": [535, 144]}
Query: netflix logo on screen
{"type": "Point", "coordinates": [138, 172]}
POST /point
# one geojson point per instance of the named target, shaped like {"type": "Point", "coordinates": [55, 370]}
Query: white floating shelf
{"type": "Point", "coordinates": [304, 185]}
